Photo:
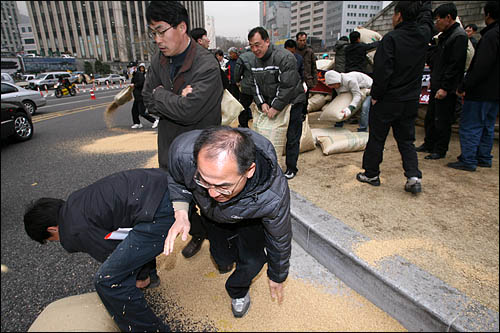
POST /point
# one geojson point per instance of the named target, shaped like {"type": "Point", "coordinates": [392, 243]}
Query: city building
{"type": "Point", "coordinates": [27, 36]}
{"type": "Point", "coordinates": [275, 18]}
{"type": "Point", "coordinates": [210, 28]}
{"type": "Point", "coordinates": [109, 31]}
{"type": "Point", "coordinates": [11, 38]}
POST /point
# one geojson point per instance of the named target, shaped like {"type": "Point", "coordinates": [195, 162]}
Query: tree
{"type": "Point", "coordinates": [88, 67]}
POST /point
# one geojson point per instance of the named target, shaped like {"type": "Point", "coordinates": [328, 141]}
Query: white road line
{"type": "Point", "coordinates": [79, 101]}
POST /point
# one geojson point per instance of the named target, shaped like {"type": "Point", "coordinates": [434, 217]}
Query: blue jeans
{"type": "Point", "coordinates": [115, 280]}
{"type": "Point", "coordinates": [365, 111]}
{"type": "Point", "coordinates": [477, 125]}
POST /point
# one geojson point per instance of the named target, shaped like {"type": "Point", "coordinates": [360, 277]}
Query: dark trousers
{"type": "Point", "coordinates": [139, 109]}
{"type": "Point", "coordinates": [438, 120]}
{"type": "Point", "coordinates": [242, 243]}
{"type": "Point", "coordinates": [401, 117]}
{"type": "Point", "coordinates": [234, 90]}
{"type": "Point", "coordinates": [115, 280]}
{"type": "Point", "coordinates": [293, 134]}
{"type": "Point", "coordinates": [197, 228]}
{"type": "Point", "coordinates": [246, 114]}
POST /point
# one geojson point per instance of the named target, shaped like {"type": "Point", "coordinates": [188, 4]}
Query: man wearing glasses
{"type": "Point", "coordinates": [183, 87]}
{"type": "Point", "coordinates": [233, 176]}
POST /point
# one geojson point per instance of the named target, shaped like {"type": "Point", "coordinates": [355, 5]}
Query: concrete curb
{"type": "Point", "coordinates": [417, 299]}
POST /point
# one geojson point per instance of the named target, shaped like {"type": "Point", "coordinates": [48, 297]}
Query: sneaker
{"type": "Point", "coordinates": [413, 185]}
{"type": "Point", "coordinates": [192, 247]}
{"type": "Point", "coordinates": [240, 306]}
{"type": "Point", "coordinates": [155, 124]}
{"type": "Point", "coordinates": [289, 174]}
{"type": "Point", "coordinates": [136, 126]}
{"type": "Point", "coordinates": [375, 181]}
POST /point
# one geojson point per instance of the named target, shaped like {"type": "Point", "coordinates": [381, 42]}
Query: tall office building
{"type": "Point", "coordinates": [27, 36]}
{"type": "Point", "coordinates": [110, 31]}
{"type": "Point", "coordinates": [210, 28]}
{"type": "Point", "coordinates": [11, 38]}
{"type": "Point", "coordinates": [275, 17]}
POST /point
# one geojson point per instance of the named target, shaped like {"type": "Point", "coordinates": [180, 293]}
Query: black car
{"type": "Point", "coordinates": [16, 122]}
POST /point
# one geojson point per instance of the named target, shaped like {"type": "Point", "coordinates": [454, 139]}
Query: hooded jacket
{"type": "Point", "coordinates": [200, 109]}
{"type": "Point", "coordinates": [351, 82]}
{"type": "Point", "coordinates": [276, 79]}
{"type": "Point", "coordinates": [120, 200]}
{"type": "Point", "coordinates": [266, 196]}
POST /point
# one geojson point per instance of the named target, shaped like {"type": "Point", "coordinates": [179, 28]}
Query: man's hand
{"type": "Point", "coordinates": [181, 225]}
{"type": "Point", "coordinates": [276, 290]}
{"type": "Point", "coordinates": [346, 112]}
{"type": "Point", "coordinates": [374, 101]}
{"type": "Point", "coordinates": [461, 94]}
{"type": "Point", "coordinates": [187, 90]}
{"type": "Point", "coordinates": [265, 108]}
{"type": "Point", "coordinates": [441, 94]}
{"type": "Point", "coordinates": [272, 113]}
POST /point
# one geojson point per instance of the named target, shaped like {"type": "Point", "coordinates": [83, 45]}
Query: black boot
{"type": "Point", "coordinates": [192, 247]}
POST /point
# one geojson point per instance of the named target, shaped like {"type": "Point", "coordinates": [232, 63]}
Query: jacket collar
{"type": "Point", "coordinates": [488, 28]}
{"type": "Point", "coordinates": [403, 24]}
{"type": "Point", "coordinates": [268, 53]}
{"type": "Point", "coordinates": [448, 32]}
{"type": "Point", "coordinates": [186, 65]}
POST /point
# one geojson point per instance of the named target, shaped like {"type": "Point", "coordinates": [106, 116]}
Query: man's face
{"type": "Point", "coordinates": [219, 57]}
{"type": "Point", "coordinates": [301, 41]}
{"type": "Point", "coordinates": [170, 40]}
{"type": "Point", "coordinates": [334, 86]}
{"type": "Point", "coordinates": [396, 19]}
{"type": "Point", "coordinates": [221, 172]}
{"type": "Point", "coordinates": [204, 41]}
{"type": "Point", "coordinates": [291, 49]}
{"type": "Point", "coordinates": [233, 55]}
{"type": "Point", "coordinates": [469, 32]}
{"type": "Point", "coordinates": [258, 45]}
{"type": "Point", "coordinates": [442, 24]}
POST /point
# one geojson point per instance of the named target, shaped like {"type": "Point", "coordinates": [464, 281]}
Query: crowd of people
{"type": "Point", "coordinates": [224, 184]}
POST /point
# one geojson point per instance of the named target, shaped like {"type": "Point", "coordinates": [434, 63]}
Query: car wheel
{"type": "Point", "coordinates": [23, 127]}
{"type": "Point", "coordinates": [30, 107]}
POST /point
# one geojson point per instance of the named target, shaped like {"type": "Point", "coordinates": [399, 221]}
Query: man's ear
{"type": "Point", "coordinates": [251, 171]}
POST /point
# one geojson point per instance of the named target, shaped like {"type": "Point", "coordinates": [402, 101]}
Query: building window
{"type": "Point", "coordinates": [305, 21]}
{"type": "Point", "coordinates": [23, 30]}
{"type": "Point", "coordinates": [319, 18]}
{"type": "Point", "coordinates": [305, 7]}
{"type": "Point", "coordinates": [29, 41]}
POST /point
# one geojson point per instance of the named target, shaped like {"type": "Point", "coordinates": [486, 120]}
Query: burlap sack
{"type": "Point", "coordinates": [316, 102]}
{"type": "Point", "coordinates": [339, 140]}
{"type": "Point", "coordinates": [325, 64]}
{"type": "Point", "coordinates": [273, 129]}
{"type": "Point", "coordinates": [80, 313]}
{"type": "Point", "coordinates": [230, 108]}
{"type": "Point", "coordinates": [333, 110]}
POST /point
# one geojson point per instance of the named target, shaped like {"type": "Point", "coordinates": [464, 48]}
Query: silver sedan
{"type": "Point", "coordinates": [31, 99]}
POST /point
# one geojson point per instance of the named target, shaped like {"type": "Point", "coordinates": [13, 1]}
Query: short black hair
{"type": "Point", "coordinates": [300, 33]}
{"type": "Point", "coordinates": [290, 44]}
{"type": "Point", "coordinates": [217, 139]}
{"type": "Point", "coordinates": [409, 10]}
{"type": "Point", "coordinates": [344, 38]}
{"type": "Point", "coordinates": [40, 215]}
{"type": "Point", "coordinates": [354, 36]}
{"type": "Point", "coordinates": [172, 12]}
{"type": "Point", "coordinates": [445, 10]}
{"type": "Point", "coordinates": [472, 26]}
{"type": "Point", "coordinates": [219, 52]}
{"type": "Point", "coordinates": [263, 33]}
{"type": "Point", "coordinates": [492, 8]}
{"type": "Point", "coordinates": [198, 33]}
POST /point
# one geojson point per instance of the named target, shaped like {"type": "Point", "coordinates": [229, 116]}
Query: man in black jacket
{"type": "Point", "coordinates": [398, 66]}
{"type": "Point", "coordinates": [234, 177]}
{"type": "Point", "coordinates": [138, 108]}
{"type": "Point", "coordinates": [355, 54]}
{"type": "Point", "coordinates": [447, 63]}
{"type": "Point", "coordinates": [183, 87]}
{"type": "Point", "coordinates": [136, 199]}
{"type": "Point", "coordinates": [480, 89]}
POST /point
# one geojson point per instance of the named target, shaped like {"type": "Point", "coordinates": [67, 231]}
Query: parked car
{"type": "Point", "coordinates": [7, 78]}
{"type": "Point", "coordinates": [31, 99]}
{"type": "Point", "coordinates": [27, 77]}
{"type": "Point", "coordinates": [16, 121]}
{"type": "Point", "coordinates": [48, 80]}
{"type": "Point", "coordinates": [111, 78]}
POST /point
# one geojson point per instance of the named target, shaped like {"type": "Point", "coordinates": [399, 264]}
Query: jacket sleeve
{"type": "Point", "coordinates": [188, 110]}
{"type": "Point", "coordinates": [288, 80]}
{"type": "Point", "coordinates": [383, 67]}
{"type": "Point", "coordinates": [278, 234]}
{"type": "Point", "coordinates": [355, 91]}
{"type": "Point", "coordinates": [424, 20]}
{"type": "Point", "coordinates": [176, 174]}
{"type": "Point", "coordinates": [455, 64]}
{"type": "Point", "coordinates": [238, 70]}
{"type": "Point", "coordinates": [371, 46]}
{"type": "Point", "coordinates": [484, 60]}
{"type": "Point", "coordinates": [152, 81]}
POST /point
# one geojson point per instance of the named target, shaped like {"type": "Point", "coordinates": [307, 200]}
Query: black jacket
{"type": "Point", "coordinates": [243, 73]}
{"type": "Point", "coordinates": [138, 80]}
{"type": "Point", "coordinates": [355, 56]}
{"type": "Point", "coordinates": [340, 59]}
{"type": "Point", "coordinates": [448, 61]}
{"type": "Point", "coordinates": [481, 81]}
{"type": "Point", "coordinates": [120, 200]}
{"type": "Point", "coordinates": [266, 196]}
{"type": "Point", "coordinates": [400, 58]}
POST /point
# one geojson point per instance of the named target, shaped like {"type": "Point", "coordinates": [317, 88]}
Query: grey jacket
{"type": "Point", "coordinates": [200, 109]}
{"type": "Point", "coordinates": [243, 73]}
{"type": "Point", "coordinates": [276, 79]}
{"type": "Point", "coordinates": [266, 196]}
{"type": "Point", "coordinates": [340, 47]}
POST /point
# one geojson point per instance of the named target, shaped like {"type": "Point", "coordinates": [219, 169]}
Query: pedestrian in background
{"type": "Point", "coordinates": [244, 78]}
{"type": "Point", "coordinates": [183, 87]}
{"type": "Point", "coordinates": [200, 36]}
{"type": "Point", "coordinates": [231, 65]}
{"type": "Point", "coordinates": [340, 57]}
{"type": "Point", "coordinates": [480, 90]}
{"type": "Point", "coordinates": [355, 54]}
{"type": "Point", "coordinates": [138, 108]}
{"type": "Point", "coordinates": [310, 70]}
{"type": "Point", "coordinates": [471, 29]}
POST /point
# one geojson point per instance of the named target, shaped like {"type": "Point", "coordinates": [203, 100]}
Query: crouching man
{"type": "Point", "coordinates": [234, 178]}
{"type": "Point", "coordinates": [137, 199]}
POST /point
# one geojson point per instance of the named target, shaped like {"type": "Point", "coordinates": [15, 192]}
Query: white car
{"type": "Point", "coordinates": [31, 99]}
{"type": "Point", "coordinates": [111, 78]}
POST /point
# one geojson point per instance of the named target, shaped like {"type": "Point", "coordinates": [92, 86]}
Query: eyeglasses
{"type": "Point", "coordinates": [153, 33]}
{"type": "Point", "coordinates": [218, 189]}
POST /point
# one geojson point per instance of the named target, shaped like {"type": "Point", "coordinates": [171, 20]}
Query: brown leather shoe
{"type": "Point", "coordinates": [192, 247]}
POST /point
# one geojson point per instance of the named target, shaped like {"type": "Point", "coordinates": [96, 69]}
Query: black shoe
{"type": "Point", "coordinates": [461, 166]}
{"type": "Point", "coordinates": [422, 149]}
{"type": "Point", "coordinates": [413, 185]}
{"type": "Point", "coordinates": [290, 174]}
{"type": "Point", "coordinates": [192, 247]}
{"type": "Point", "coordinates": [225, 269]}
{"type": "Point", "coordinates": [155, 281]}
{"type": "Point", "coordinates": [362, 129]}
{"type": "Point", "coordinates": [375, 181]}
{"type": "Point", "coordinates": [484, 165]}
{"type": "Point", "coordinates": [434, 156]}
{"type": "Point", "coordinates": [353, 121]}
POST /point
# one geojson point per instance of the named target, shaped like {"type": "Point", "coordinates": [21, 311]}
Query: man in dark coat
{"type": "Point", "coordinates": [340, 57]}
{"type": "Point", "coordinates": [138, 108]}
{"type": "Point", "coordinates": [244, 78]}
{"type": "Point", "coordinates": [447, 63]}
{"type": "Point", "coordinates": [183, 87]}
{"type": "Point", "coordinates": [136, 199]}
{"type": "Point", "coordinates": [234, 177]}
{"type": "Point", "coordinates": [480, 89]}
{"type": "Point", "coordinates": [310, 70]}
{"type": "Point", "coordinates": [355, 53]}
{"type": "Point", "coordinates": [397, 78]}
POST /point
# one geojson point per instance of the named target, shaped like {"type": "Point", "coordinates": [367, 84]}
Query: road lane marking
{"type": "Point", "coordinates": [53, 115]}
{"type": "Point", "coordinates": [73, 102]}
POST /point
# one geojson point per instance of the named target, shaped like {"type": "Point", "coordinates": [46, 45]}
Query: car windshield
{"type": "Point", "coordinates": [40, 76]}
